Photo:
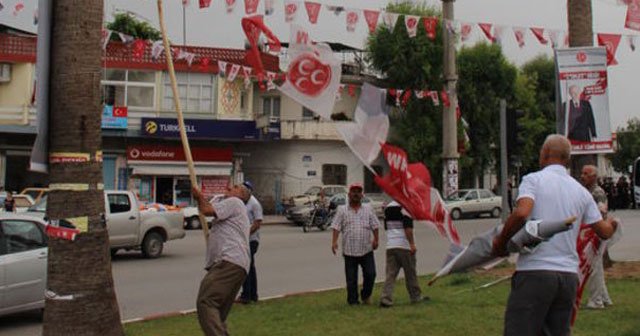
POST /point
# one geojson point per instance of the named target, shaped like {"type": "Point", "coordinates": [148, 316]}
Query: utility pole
{"type": "Point", "coordinates": [449, 123]}
{"type": "Point", "coordinates": [504, 169]}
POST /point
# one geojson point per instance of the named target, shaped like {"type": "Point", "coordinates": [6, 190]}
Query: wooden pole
{"type": "Point", "coordinates": [176, 101]}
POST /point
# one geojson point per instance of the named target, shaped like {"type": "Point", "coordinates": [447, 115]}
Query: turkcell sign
{"type": "Point", "coordinates": [200, 128]}
{"type": "Point", "coordinates": [114, 117]}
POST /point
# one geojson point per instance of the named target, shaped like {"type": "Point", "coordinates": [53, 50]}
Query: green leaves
{"type": "Point", "coordinates": [127, 24]}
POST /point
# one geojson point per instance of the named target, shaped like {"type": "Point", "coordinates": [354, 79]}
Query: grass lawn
{"type": "Point", "coordinates": [454, 309]}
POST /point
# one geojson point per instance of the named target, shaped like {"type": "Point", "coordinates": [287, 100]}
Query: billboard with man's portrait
{"type": "Point", "coordinates": [583, 100]}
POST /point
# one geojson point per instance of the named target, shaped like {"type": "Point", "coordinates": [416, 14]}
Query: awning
{"type": "Point", "coordinates": [223, 168]}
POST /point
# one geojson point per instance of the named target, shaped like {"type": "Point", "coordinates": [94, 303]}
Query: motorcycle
{"type": "Point", "coordinates": [320, 217]}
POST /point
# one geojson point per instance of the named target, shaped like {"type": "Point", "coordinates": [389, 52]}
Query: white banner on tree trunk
{"type": "Point", "coordinates": [583, 106]}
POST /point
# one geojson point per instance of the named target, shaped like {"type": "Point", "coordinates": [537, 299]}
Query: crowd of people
{"type": "Point", "coordinates": [619, 194]}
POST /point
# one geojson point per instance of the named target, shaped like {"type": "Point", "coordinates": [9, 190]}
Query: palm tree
{"type": "Point", "coordinates": [80, 268]}
{"type": "Point", "coordinates": [580, 23]}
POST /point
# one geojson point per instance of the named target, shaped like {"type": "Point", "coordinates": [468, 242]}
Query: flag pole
{"type": "Point", "coordinates": [176, 101]}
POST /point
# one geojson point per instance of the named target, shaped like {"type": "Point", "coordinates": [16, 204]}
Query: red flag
{"type": "Point", "coordinates": [486, 29]}
{"type": "Point", "coordinates": [290, 10]}
{"type": "Point", "coordinates": [231, 4]}
{"type": "Point", "coordinates": [587, 247]}
{"type": "Point", "coordinates": [352, 19]}
{"type": "Point", "coordinates": [445, 98]}
{"type": "Point", "coordinates": [205, 3]}
{"type": "Point", "coordinates": [519, 32]}
{"type": "Point", "coordinates": [408, 184]}
{"type": "Point", "coordinates": [352, 90]}
{"type": "Point", "coordinates": [465, 31]}
{"type": "Point", "coordinates": [405, 98]}
{"type": "Point", "coordinates": [204, 64]}
{"type": "Point", "coordinates": [120, 111]}
{"type": "Point", "coordinates": [138, 48]}
{"type": "Point", "coordinates": [633, 15]}
{"type": "Point", "coordinates": [253, 26]}
{"type": "Point", "coordinates": [430, 26]}
{"type": "Point", "coordinates": [313, 11]}
{"type": "Point", "coordinates": [18, 8]}
{"type": "Point", "coordinates": [610, 42]}
{"type": "Point", "coordinates": [62, 232]}
{"type": "Point", "coordinates": [539, 34]}
{"type": "Point", "coordinates": [411, 23]}
{"type": "Point", "coordinates": [251, 6]}
{"type": "Point", "coordinates": [372, 19]}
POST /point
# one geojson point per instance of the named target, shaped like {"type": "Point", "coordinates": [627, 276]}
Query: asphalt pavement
{"type": "Point", "coordinates": [288, 261]}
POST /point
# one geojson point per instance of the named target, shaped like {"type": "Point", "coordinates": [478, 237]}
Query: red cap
{"type": "Point", "coordinates": [356, 186]}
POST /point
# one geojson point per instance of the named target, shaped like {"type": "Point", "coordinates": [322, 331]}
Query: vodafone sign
{"type": "Point", "coordinates": [175, 153]}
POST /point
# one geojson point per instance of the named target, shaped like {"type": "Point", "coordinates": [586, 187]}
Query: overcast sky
{"type": "Point", "coordinates": [214, 27]}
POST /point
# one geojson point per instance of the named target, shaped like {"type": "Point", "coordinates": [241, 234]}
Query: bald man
{"type": "Point", "coordinates": [598, 293]}
{"type": "Point", "coordinates": [544, 286]}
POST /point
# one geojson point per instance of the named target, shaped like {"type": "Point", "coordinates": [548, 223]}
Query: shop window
{"type": "Point", "coordinates": [370, 185]}
{"type": "Point", "coordinates": [196, 92]}
{"type": "Point", "coordinates": [334, 174]}
{"type": "Point", "coordinates": [130, 88]}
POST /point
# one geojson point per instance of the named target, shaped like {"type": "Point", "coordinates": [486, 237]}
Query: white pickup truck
{"type": "Point", "coordinates": [131, 228]}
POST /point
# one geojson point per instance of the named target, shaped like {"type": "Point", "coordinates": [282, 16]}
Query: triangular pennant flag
{"type": "Point", "coordinates": [222, 68]}
{"type": "Point", "coordinates": [251, 6]}
{"type": "Point", "coordinates": [632, 42]}
{"type": "Point", "coordinates": [184, 55]}
{"type": "Point", "coordinates": [269, 7]}
{"type": "Point", "coordinates": [313, 11]}
{"type": "Point", "coordinates": [253, 27]}
{"type": "Point", "coordinates": [486, 29]}
{"type": "Point", "coordinates": [610, 42]}
{"type": "Point", "coordinates": [339, 92]}
{"type": "Point", "coordinates": [411, 23]}
{"type": "Point", "coordinates": [139, 46]}
{"type": "Point", "coordinates": [204, 64]}
{"type": "Point", "coordinates": [126, 39]}
{"type": "Point", "coordinates": [205, 3]}
{"type": "Point", "coordinates": [18, 8]}
{"type": "Point", "coordinates": [539, 34]}
{"type": "Point", "coordinates": [555, 36]}
{"type": "Point", "coordinates": [231, 5]}
{"type": "Point", "coordinates": [371, 17]}
{"type": "Point", "coordinates": [290, 10]}
{"type": "Point", "coordinates": [398, 95]}
{"type": "Point", "coordinates": [633, 15]}
{"type": "Point", "coordinates": [352, 19]}
{"type": "Point", "coordinates": [445, 98]}
{"type": "Point", "coordinates": [271, 76]}
{"type": "Point", "coordinates": [405, 98]}
{"type": "Point", "coordinates": [434, 98]}
{"type": "Point", "coordinates": [390, 19]}
{"type": "Point", "coordinates": [430, 26]}
{"type": "Point", "coordinates": [106, 36]}
{"type": "Point", "coordinates": [419, 94]}
{"type": "Point", "coordinates": [465, 31]}
{"type": "Point", "coordinates": [156, 49]}
{"type": "Point", "coordinates": [519, 33]}
{"type": "Point", "coordinates": [246, 73]}
{"type": "Point", "coordinates": [498, 33]}
{"type": "Point", "coordinates": [233, 73]}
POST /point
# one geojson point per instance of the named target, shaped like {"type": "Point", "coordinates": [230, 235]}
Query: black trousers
{"type": "Point", "coordinates": [540, 303]}
{"type": "Point", "coordinates": [250, 285]}
{"type": "Point", "coordinates": [368, 265]}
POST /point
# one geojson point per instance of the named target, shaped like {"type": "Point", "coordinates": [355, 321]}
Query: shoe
{"type": "Point", "coordinates": [423, 299]}
{"type": "Point", "coordinates": [366, 301]}
{"type": "Point", "coordinates": [592, 305]}
{"type": "Point", "coordinates": [385, 305]}
{"type": "Point", "coordinates": [242, 301]}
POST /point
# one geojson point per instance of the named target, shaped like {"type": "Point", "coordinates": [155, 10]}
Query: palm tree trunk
{"type": "Point", "coordinates": [80, 268]}
{"type": "Point", "coordinates": [580, 23]}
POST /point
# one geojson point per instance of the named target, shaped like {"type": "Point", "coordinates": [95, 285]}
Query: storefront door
{"type": "Point", "coordinates": [164, 190]}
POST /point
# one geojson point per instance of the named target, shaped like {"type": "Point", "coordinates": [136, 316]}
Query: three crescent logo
{"type": "Point", "coordinates": [151, 127]}
{"type": "Point", "coordinates": [581, 57]}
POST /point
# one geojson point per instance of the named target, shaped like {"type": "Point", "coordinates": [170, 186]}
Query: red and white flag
{"type": "Point", "coordinates": [558, 38]}
{"type": "Point", "coordinates": [465, 31]}
{"type": "Point", "coordinates": [230, 4]}
{"type": "Point", "coordinates": [313, 11]}
{"type": "Point", "coordinates": [222, 68]}
{"type": "Point", "coordinates": [233, 72]}
{"type": "Point", "coordinates": [290, 10]}
{"type": "Point", "coordinates": [139, 46]}
{"type": "Point", "coordinates": [246, 73]}
{"type": "Point", "coordinates": [126, 39]}
{"type": "Point", "coordinates": [539, 34]}
{"type": "Point", "coordinates": [271, 76]}
{"type": "Point", "coordinates": [420, 94]}
{"type": "Point", "coordinates": [411, 23]}
{"type": "Point", "coordinates": [156, 49]}
{"type": "Point", "coordinates": [18, 8]}
{"type": "Point", "coordinates": [430, 26]}
{"type": "Point", "coordinates": [390, 19]}
{"type": "Point", "coordinates": [251, 6]}
{"type": "Point", "coordinates": [313, 75]}
{"type": "Point", "coordinates": [185, 55]}
{"type": "Point", "coordinates": [352, 19]}
{"type": "Point", "coordinates": [205, 3]}
{"type": "Point", "coordinates": [371, 16]}
{"type": "Point", "coordinates": [269, 7]}
{"type": "Point", "coordinates": [486, 29]}
{"type": "Point", "coordinates": [633, 15]}
{"type": "Point", "coordinates": [610, 42]}
{"type": "Point", "coordinates": [62, 232]}
{"type": "Point", "coordinates": [519, 33]}
{"type": "Point", "coordinates": [434, 98]}
{"type": "Point", "coordinates": [339, 93]}
{"type": "Point", "coordinates": [445, 98]}
{"type": "Point", "coordinates": [370, 126]}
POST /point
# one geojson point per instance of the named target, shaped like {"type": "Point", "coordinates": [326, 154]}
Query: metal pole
{"type": "Point", "coordinates": [184, 24]}
{"type": "Point", "coordinates": [449, 124]}
{"type": "Point", "coordinates": [503, 159]}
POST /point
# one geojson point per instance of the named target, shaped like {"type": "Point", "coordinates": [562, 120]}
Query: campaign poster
{"type": "Point", "coordinates": [583, 99]}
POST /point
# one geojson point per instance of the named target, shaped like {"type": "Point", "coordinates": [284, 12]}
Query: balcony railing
{"type": "Point", "coordinates": [308, 130]}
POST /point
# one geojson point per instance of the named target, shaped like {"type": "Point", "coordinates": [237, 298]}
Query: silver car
{"type": "Point", "coordinates": [23, 263]}
{"type": "Point", "coordinates": [474, 202]}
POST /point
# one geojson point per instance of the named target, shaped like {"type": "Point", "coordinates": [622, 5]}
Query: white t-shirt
{"type": "Point", "coordinates": [254, 211]}
{"type": "Point", "coordinates": [556, 196]}
{"type": "Point", "coordinates": [229, 234]}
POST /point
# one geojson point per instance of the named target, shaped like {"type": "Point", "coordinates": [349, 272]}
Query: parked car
{"type": "Point", "coordinates": [311, 195]}
{"type": "Point", "coordinates": [474, 202]}
{"type": "Point", "coordinates": [191, 218]}
{"type": "Point", "coordinates": [131, 228]}
{"type": "Point", "coordinates": [22, 204]}
{"type": "Point", "coordinates": [35, 193]}
{"type": "Point", "coordinates": [23, 263]}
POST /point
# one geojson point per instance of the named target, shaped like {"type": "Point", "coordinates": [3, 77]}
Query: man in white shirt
{"type": "Point", "coordinates": [544, 286]}
{"type": "Point", "coordinates": [254, 211]}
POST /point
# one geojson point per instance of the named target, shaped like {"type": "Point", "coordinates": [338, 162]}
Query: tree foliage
{"type": "Point", "coordinates": [628, 142]}
{"type": "Point", "coordinates": [128, 24]}
{"type": "Point", "coordinates": [486, 77]}
{"type": "Point", "coordinates": [412, 63]}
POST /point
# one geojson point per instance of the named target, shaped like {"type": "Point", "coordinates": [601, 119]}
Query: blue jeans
{"type": "Point", "coordinates": [368, 273]}
{"type": "Point", "coordinates": [250, 286]}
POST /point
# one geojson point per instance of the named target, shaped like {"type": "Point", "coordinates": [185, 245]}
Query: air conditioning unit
{"type": "Point", "coordinates": [5, 72]}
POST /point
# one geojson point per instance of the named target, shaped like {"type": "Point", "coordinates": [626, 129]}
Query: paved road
{"type": "Point", "coordinates": [288, 261]}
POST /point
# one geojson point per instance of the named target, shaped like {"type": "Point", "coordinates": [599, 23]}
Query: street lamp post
{"type": "Point", "coordinates": [449, 124]}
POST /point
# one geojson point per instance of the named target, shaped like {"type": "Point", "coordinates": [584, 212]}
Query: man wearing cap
{"type": "Point", "coordinates": [227, 259]}
{"type": "Point", "coordinates": [359, 227]}
{"type": "Point", "coordinates": [254, 211]}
